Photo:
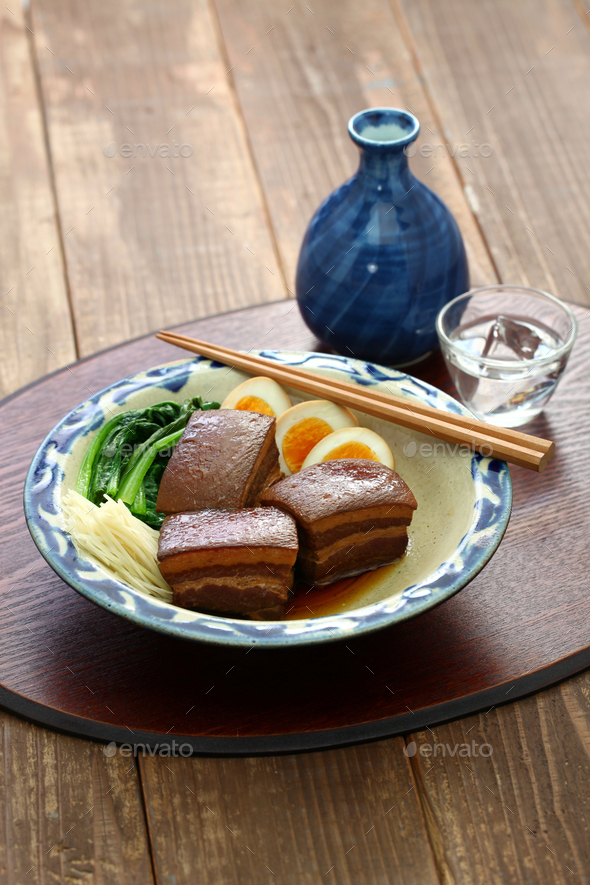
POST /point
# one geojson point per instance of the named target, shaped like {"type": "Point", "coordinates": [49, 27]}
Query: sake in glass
{"type": "Point", "coordinates": [506, 348]}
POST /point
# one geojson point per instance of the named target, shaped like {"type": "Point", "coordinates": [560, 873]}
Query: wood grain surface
{"type": "Point", "coordinates": [36, 334]}
{"type": "Point", "coordinates": [149, 241]}
{"type": "Point", "coordinates": [519, 811]}
{"type": "Point", "coordinates": [300, 74]}
{"type": "Point", "coordinates": [514, 76]}
{"type": "Point", "coordinates": [298, 819]}
{"type": "Point", "coordinates": [69, 812]}
{"type": "Point", "coordinates": [152, 260]}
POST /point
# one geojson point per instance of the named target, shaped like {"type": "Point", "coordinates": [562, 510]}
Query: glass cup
{"type": "Point", "coordinates": [506, 348]}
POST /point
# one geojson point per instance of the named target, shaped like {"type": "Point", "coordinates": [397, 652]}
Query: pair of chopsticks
{"type": "Point", "coordinates": [498, 442]}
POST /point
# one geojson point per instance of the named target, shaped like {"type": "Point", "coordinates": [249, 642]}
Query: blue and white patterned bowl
{"type": "Point", "coordinates": [463, 509]}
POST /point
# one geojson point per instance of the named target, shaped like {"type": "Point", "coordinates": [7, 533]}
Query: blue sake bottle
{"type": "Point", "coordinates": [382, 254]}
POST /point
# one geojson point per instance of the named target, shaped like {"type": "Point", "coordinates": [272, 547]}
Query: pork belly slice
{"type": "Point", "coordinates": [352, 516]}
{"type": "Point", "coordinates": [352, 556]}
{"type": "Point", "coordinates": [224, 459]}
{"type": "Point", "coordinates": [230, 561]}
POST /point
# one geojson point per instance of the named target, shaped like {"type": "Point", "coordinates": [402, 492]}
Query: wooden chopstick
{"type": "Point", "coordinates": [468, 423]}
{"type": "Point", "coordinates": [417, 406]}
{"type": "Point", "coordinates": [500, 442]}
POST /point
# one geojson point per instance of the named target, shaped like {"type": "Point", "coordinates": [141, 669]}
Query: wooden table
{"type": "Point", "coordinates": [98, 249]}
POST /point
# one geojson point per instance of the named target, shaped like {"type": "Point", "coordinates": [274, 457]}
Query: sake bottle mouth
{"type": "Point", "coordinates": [382, 128]}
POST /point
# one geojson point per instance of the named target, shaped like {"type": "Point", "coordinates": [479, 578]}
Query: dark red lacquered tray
{"type": "Point", "coordinates": [522, 624]}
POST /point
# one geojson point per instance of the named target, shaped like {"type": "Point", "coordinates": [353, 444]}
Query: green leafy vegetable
{"type": "Point", "coordinates": [130, 452]}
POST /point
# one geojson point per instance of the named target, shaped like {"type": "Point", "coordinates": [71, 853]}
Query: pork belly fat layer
{"type": "Point", "coordinates": [374, 519]}
{"type": "Point", "coordinates": [351, 561]}
{"type": "Point", "coordinates": [327, 490]}
{"type": "Point", "coordinates": [228, 562]}
{"type": "Point", "coordinates": [208, 530]}
{"type": "Point", "coordinates": [396, 514]}
{"type": "Point", "coordinates": [353, 540]}
{"type": "Point", "coordinates": [242, 596]}
{"type": "Point", "coordinates": [224, 459]}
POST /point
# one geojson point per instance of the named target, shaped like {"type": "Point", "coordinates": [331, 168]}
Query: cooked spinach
{"type": "Point", "coordinates": [130, 452]}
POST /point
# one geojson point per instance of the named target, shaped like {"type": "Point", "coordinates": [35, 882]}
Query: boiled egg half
{"type": "Point", "coordinates": [301, 428]}
{"type": "Point", "coordinates": [351, 442]}
{"type": "Point", "coordinates": [258, 394]}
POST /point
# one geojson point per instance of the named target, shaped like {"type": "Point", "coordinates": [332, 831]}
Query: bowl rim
{"type": "Point", "coordinates": [151, 613]}
{"type": "Point", "coordinates": [547, 360]}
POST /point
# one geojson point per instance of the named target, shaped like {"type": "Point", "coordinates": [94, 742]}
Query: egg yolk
{"type": "Point", "coordinates": [351, 450]}
{"type": "Point", "coordinates": [254, 404]}
{"type": "Point", "coordinates": [300, 439]}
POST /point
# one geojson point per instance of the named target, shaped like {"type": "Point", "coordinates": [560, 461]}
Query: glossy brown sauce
{"type": "Point", "coordinates": [330, 599]}
{"type": "Point", "coordinates": [342, 596]}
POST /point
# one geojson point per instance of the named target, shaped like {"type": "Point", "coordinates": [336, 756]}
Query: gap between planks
{"type": "Point", "coordinates": [146, 822]}
{"type": "Point", "coordinates": [430, 823]}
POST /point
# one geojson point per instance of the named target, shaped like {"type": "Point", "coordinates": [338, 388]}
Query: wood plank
{"type": "Point", "coordinates": [349, 816]}
{"type": "Point", "coordinates": [516, 75]}
{"type": "Point", "coordinates": [521, 813]}
{"type": "Point", "coordinates": [470, 59]}
{"type": "Point", "coordinates": [300, 74]}
{"type": "Point", "coordinates": [149, 240]}
{"type": "Point", "coordinates": [36, 334]}
{"type": "Point", "coordinates": [68, 811]}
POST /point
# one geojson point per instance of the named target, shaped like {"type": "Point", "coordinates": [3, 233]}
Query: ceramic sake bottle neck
{"type": "Point", "coordinates": [386, 166]}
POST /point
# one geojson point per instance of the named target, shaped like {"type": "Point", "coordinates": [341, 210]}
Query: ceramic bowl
{"type": "Point", "coordinates": [463, 509]}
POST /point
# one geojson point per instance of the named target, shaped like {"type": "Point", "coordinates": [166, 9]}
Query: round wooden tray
{"type": "Point", "coordinates": [522, 624]}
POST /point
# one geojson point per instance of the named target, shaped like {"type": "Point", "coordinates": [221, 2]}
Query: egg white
{"type": "Point", "coordinates": [351, 434]}
{"type": "Point", "coordinates": [265, 389]}
{"type": "Point", "coordinates": [337, 417]}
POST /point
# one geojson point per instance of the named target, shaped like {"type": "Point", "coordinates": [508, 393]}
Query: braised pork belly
{"type": "Point", "coordinates": [230, 561]}
{"type": "Point", "coordinates": [352, 516]}
{"type": "Point", "coordinates": [224, 459]}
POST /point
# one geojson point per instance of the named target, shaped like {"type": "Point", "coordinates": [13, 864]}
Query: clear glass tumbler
{"type": "Point", "coordinates": [506, 348]}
